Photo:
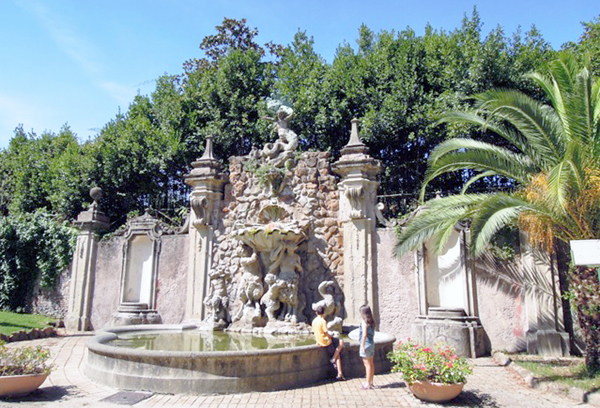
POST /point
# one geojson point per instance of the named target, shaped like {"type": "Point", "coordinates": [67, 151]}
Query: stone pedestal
{"type": "Point", "coordinates": [206, 180]}
{"type": "Point", "coordinates": [83, 267]}
{"type": "Point", "coordinates": [130, 313]}
{"type": "Point", "coordinates": [453, 327]}
{"type": "Point", "coordinates": [358, 193]}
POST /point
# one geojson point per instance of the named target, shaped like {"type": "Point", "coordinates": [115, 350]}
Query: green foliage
{"type": "Point", "coordinates": [138, 156]}
{"type": "Point", "coordinates": [438, 364]}
{"type": "Point", "coordinates": [32, 247]}
{"type": "Point", "coordinates": [571, 372]}
{"type": "Point", "coordinates": [589, 44]}
{"type": "Point", "coordinates": [398, 84]}
{"type": "Point", "coordinates": [550, 156]}
{"type": "Point", "coordinates": [263, 171]}
{"type": "Point", "coordinates": [23, 360]}
{"type": "Point", "coordinates": [48, 172]}
{"type": "Point", "coordinates": [505, 244]}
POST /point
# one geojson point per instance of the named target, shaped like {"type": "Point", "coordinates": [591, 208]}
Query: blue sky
{"type": "Point", "coordinates": [78, 62]}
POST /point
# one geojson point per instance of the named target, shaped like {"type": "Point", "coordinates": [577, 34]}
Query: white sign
{"type": "Point", "coordinates": [586, 252]}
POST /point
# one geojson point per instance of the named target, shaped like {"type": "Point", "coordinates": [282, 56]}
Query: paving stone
{"type": "Point", "coordinates": [490, 386]}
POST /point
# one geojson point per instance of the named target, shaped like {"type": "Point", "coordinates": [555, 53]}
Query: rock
{"type": "Point", "coordinates": [49, 331]}
{"type": "Point", "coordinates": [502, 359]}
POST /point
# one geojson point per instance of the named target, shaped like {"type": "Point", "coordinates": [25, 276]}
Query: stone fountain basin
{"type": "Point", "coordinates": [221, 372]}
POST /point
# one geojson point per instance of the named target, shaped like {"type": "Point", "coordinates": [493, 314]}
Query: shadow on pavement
{"type": "Point", "coordinates": [471, 399]}
{"type": "Point", "coordinates": [394, 385]}
{"type": "Point", "coordinates": [45, 394]}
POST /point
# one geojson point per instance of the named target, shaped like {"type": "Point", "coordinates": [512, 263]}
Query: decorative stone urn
{"type": "Point", "coordinates": [435, 392]}
{"type": "Point", "coordinates": [19, 385]}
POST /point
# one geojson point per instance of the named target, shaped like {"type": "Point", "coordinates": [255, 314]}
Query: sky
{"type": "Point", "coordinates": [79, 62]}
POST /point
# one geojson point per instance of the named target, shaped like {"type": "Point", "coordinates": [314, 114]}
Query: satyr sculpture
{"type": "Point", "coordinates": [217, 301]}
{"type": "Point", "coordinates": [282, 150]}
{"type": "Point", "coordinates": [251, 288]}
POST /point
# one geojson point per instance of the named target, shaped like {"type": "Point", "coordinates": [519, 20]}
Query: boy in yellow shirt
{"type": "Point", "coordinates": [325, 339]}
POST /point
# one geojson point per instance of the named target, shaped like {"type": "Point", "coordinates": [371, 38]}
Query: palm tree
{"type": "Point", "coordinates": [550, 154]}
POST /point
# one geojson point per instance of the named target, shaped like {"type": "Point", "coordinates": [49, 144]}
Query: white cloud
{"type": "Point", "coordinates": [123, 94]}
{"type": "Point", "coordinates": [76, 47]}
{"type": "Point", "coordinates": [14, 111]}
{"type": "Point", "coordinates": [84, 53]}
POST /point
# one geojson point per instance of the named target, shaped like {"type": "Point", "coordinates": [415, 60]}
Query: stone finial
{"type": "Point", "coordinates": [354, 146]}
{"type": "Point", "coordinates": [208, 149]}
{"type": "Point", "coordinates": [93, 218]}
{"type": "Point", "coordinates": [355, 157]}
{"type": "Point", "coordinates": [206, 167]}
{"type": "Point", "coordinates": [354, 137]}
{"type": "Point", "coordinates": [96, 193]}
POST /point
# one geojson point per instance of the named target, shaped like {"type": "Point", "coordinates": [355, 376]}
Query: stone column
{"type": "Point", "coordinates": [358, 193]}
{"type": "Point", "coordinates": [206, 180]}
{"type": "Point", "coordinates": [83, 267]}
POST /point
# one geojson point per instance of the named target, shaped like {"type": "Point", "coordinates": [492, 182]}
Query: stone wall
{"type": "Point", "coordinates": [171, 279]}
{"type": "Point", "coordinates": [500, 286]}
{"type": "Point", "coordinates": [396, 287]}
{"type": "Point", "coordinates": [500, 296]}
{"type": "Point", "coordinates": [53, 301]}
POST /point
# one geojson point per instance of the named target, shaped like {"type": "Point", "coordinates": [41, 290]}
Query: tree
{"type": "Point", "coordinates": [398, 83]}
{"type": "Point", "coordinates": [589, 44]}
{"type": "Point", "coordinates": [136, 159]}
{"type": "Point", "coordinates": [49, 171]}
{"type": "Point", "coordinates": [551, 160]}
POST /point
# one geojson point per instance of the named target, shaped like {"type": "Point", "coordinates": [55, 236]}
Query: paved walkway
{"type": "Point", "coordinates": [489, 386]}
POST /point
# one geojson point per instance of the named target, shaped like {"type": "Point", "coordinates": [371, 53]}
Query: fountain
{"type": "Point", "coordinates": [265, 251]}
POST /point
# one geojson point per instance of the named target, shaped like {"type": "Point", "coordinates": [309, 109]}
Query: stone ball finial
{"type": "Point", "coordinates": [96, 193]}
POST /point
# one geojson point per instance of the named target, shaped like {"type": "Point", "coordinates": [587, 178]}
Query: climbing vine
{"type": "Point", "coordinates": [32, 247]}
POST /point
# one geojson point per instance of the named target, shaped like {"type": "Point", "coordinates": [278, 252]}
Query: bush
{"type": "Point", "coordinates": [23, 360]}
{"type": "Point", "coordinates": [32, 246]}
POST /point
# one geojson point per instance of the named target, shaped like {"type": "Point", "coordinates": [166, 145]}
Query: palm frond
{"type": "Point", "coordinates": [538, 124]}
{"type": "Point", "coordinates": [475, 178]}
{"type": "Point", "coordinates": [435, 218]}
{"type": "Point", "coordinates": [492, 214]}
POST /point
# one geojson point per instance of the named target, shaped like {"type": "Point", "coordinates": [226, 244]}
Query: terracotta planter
{"type": "Point", "coordinates": [19, 385]}
{"type": "Point", "coordinates": [435, 392]}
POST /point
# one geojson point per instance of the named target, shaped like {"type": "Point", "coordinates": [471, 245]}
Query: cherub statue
{"type": "Point", "coordinates": [271, 299]}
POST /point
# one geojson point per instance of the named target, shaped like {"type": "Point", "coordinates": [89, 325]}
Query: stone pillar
{"type": "Point", "coordinates": [358, 194]}
{"type": "Point", "coordinates": [83, 267]}
{"type": "Point", "coordinates": [206, 180]}
{"type": "Point", "coordinates": [544, 327]}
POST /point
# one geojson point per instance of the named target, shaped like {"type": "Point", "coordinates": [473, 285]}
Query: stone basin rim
{"type": "Point", "coordinates": [98, 343]}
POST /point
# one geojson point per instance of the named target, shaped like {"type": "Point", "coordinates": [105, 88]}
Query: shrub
{"type": "Point", "coordinates": [435, 364]}
{"type": "Point", "coordinates": [23, 360]}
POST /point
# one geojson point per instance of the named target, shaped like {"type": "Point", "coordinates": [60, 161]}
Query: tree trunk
{"type": "Point", "coordinates": [586, 295]}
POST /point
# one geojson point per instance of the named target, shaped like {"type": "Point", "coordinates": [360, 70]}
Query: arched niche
{"type": "Point", "coordinates": [139, 272]}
